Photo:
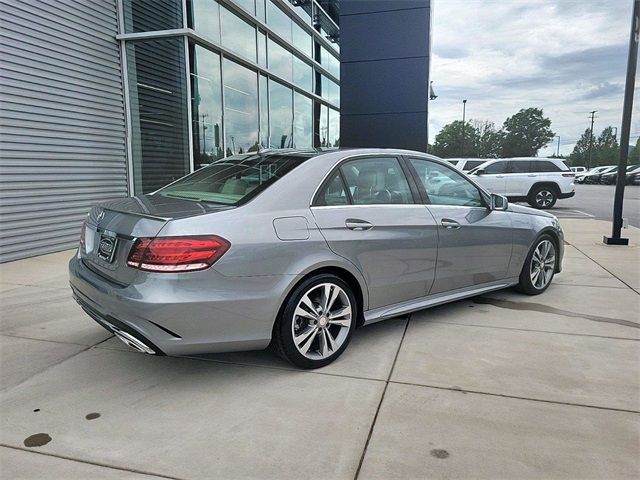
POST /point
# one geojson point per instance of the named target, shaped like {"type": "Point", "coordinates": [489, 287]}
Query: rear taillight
{"type": "Point", "coordinates": [176, 254]}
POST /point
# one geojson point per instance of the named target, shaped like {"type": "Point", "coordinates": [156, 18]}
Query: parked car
{"type": "Point", "coordinates": [578, 169]}
{"type": "Point", "coordinates": [610, 178]}
{"type": "Point", "coordinates": [538, 181]}
{"type": "Point", "coordinates": [466, 164]}
{"type": "Point", "coordinates": [633, 177]}
{"type": "Point", "coordinates": [593, 175]}
{"type": "Point", "coordinates": [297, 248]}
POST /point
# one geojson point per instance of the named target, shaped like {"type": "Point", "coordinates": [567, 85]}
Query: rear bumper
{"type": "Point", "coordinates": [183, 314]}
{"type": "Point", "coordinates": [566, 195]}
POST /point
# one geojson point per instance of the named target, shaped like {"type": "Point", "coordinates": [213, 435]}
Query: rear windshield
{"type": "Point", "coordinates": [233, 180]}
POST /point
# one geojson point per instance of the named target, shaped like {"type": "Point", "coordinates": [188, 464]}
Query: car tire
{"type": "Point", "coordinates": [543, 262]}
{"type": "Point", "coordinates": [316, 322]}
{"type": "Point", "coordinates": [543, 197]}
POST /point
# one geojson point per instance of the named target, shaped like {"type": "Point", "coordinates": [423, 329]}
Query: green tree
{"type": "Point", "coordinates": [449, 141]}
{"type": "Point", "coordinates": [489, 140]}
{"type": "Point", "coordinates": [525, 133]}
{"type": "Point", "coordinates": [607, 150]}
{"type": "Point", "coordinates": [578, 156]}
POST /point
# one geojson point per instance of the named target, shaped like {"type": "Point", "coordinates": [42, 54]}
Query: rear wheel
{"type": "Point", "coordinates": [317, 322]}
{"type": "Point", "coordinates": [543, 197]}
{"type": "Point", "coordinates": [539, 267]}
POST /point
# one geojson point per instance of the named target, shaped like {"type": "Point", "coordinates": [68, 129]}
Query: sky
{"type": "Point", "coordinates": [568, 57]}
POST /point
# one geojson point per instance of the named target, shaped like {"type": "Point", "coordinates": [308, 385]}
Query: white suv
{"type": "Point", "coordinates": [539, 181]}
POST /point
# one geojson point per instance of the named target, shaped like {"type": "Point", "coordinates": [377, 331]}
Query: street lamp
{"type": "Point", "coordinates": [558, 152]}
{"type": "Point", "coordinates": [464, 116]}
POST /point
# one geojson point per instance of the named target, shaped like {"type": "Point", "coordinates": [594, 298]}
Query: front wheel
{"type": "Point", "coordinates": [317, 322]}
{"type": "Point", "coordinates": [539, 267]}
{"type": "Point", "coordinates": [542, 197]}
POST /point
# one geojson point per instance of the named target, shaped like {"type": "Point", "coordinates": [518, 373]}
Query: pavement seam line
{"type": "Point", "coordinates": [537, 331]}
{"type": "Point", "coordinates": [516, 397]}
{"type": "Point", "coordinates": [45, 369]}
{"type": "Point", "coordinates": [89, 462]}
{"type": "Point", "coordinates": [248, 365]}
{"type": "Point", "coordinates": [603, 267]}
{"type": "Point", "coordinates": [55, 364]}
{"type": "Point", "coordinates": [23, 337]}
{"type": "Point", "coordinates": [384, 391]}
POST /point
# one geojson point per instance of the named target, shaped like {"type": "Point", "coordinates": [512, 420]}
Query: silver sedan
{"type": "Point", "coordinates": [295, 249]}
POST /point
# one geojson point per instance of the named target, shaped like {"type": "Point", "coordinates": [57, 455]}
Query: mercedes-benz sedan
{"type": "Point", "coordinates": [298, 248]}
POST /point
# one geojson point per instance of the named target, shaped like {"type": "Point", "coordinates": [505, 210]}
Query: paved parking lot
{"type": "Point", "coordinates": [596, 201]}
{"type": "Point", "coordinates": [498, 386]}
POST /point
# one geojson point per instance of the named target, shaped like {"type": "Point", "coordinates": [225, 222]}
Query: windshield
{"type": "Point", "coordinates": [233, 180]}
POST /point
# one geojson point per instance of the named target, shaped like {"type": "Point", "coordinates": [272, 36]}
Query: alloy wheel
{"type": "Point", "coordinates": [544, 198]}
{"type": "Point", "coordinates": [321, 321]}
{"type": "Point", "coordinates": [543, 264]}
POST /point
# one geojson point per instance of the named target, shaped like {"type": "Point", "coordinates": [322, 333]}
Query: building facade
{"type": "Point", "coordinates": [106, 98]}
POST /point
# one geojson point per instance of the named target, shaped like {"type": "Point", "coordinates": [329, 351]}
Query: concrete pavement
{"type": "Point", "coordinates": [498, 386]}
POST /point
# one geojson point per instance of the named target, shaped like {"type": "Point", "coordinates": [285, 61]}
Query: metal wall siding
{"type": "Point", "coordinates": [62, 120]}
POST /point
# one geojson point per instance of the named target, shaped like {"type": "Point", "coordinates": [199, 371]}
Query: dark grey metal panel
{"type": "Point", "coordinates": [396, 86]}
{"type": "Point", "coordinates": [352, 7]}
{"type": "Point", "coordinates": [384, 73]}
{"type": "Point", "coordinates": [393, 130]}
{"type": "Point", "coordinates": [62, 120]}
{"type": "Point", "coordinates": [376, 36]}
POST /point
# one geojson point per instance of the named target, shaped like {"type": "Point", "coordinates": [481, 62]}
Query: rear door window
{"type": "Point", "coordinates": [542, 166]}
{"type": "Point", "coordinates": [519, 166]}
{"type": "Point", "coordinates": [372, 181]}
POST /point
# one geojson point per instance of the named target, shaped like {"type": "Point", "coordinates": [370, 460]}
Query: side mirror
{"type": "Point", "coordinates": [498, 202]}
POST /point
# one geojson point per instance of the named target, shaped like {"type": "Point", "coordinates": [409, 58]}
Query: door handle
{"type": "Point", "coordinates": [499, 176]}
{"type": "Point", "coordinates": [448, 223]}
{"type": "Point", "coordinates": [357, 224]}
{"type": "Point", "coordinates": [532, 175]}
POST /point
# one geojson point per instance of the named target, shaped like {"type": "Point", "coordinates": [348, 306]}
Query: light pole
{"type": "Point", "coordinates": [593, 113]}
{"type": "Point", "coordinates": [464, 117]}
{"type": "Point", "coordinates": [625, 131]}
{"type": "Point", "coordinates": [558, 152]}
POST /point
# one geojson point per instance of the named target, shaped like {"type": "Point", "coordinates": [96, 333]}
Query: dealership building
{"type": "Point", "coordinates": [102, 99]}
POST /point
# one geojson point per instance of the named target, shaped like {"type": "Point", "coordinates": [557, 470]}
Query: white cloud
{"type": "Point", "coordinates": [567, 57]}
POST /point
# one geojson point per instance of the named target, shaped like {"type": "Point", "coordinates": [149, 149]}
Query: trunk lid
{"type": "Point", "coordinates": [113, 227]}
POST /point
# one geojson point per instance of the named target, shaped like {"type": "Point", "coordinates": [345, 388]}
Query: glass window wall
{"type": "Point", "coordinates": [302, 121]}
{"type": "Point", "coordinates": [240, 108]}
{"type": "Point", "coordinates": [238, 35]}
{"type": "Point", "coordinates": [156, 70]}
{"type": "Point", "coordinates": [206, 105]}
{"type": "Point", "coordinates": [334, 128]}
{"type": "Point", "coordinates": [280, 60]}
{"type": "Point", "coordinates": [279, 21]}
{"type": "Point", "coordinates": [150, 15]}
{"type": "Point", "coordinates": [264, 111]}
{"type": "Point", "coordinates": [205, 18]}
{"type": "Point", "coordinates": [280, 115]}
{"type": "Point", "coordinates": [302, 74]}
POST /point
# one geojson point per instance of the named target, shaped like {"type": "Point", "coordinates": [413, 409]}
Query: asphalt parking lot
{"type": "Point", "coordinates": [497, 386]}
{"type": "Point", "coordinates": [596, 201]}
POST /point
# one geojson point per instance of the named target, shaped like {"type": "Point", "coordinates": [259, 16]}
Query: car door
{"type": "Point", "coordinates": [368, 213]}
{"type": "Point", "coordinates": [519, 178]}
{"type": "Point", "coordinates": [474, 242]}
{"type": "Point", "coordinates": [493, 177]}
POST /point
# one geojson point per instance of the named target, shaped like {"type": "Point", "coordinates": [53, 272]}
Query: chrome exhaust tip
{"type": "Point", "coordinates": [133, 342]}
